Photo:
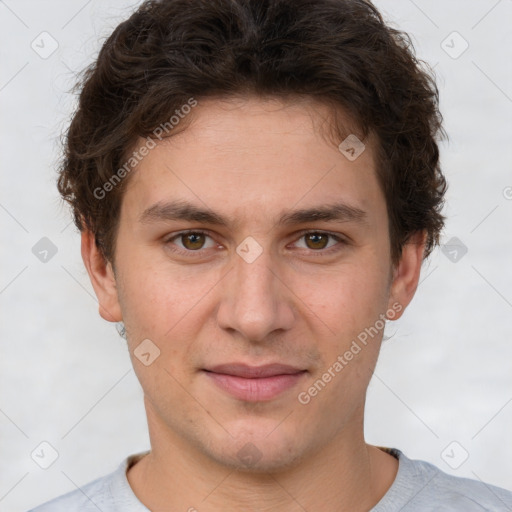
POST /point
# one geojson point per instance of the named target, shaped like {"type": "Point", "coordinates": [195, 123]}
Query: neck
{"type": "Point", "coordinates": [344, 474]}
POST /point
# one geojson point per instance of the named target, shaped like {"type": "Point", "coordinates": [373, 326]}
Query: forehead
{"type": "Point", "coordinates": [241, 156]}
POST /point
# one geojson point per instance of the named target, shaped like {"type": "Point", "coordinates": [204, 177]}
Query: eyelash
{"type": "Point", "coordinates": [318, 252]}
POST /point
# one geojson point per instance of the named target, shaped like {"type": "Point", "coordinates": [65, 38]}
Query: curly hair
{"type": "Point", "coordinates": [339, 52]}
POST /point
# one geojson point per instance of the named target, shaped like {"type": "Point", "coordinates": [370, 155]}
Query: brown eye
{"type": "Point", "coordinates": [316, 240]}
{"type": "Point", "coordinates": [193, 241]}
{"type": "Point", "coordinates": [190, 242]}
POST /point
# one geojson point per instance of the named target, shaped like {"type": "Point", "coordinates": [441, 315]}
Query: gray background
{"type": "Point", "coordinates": [443, 385]}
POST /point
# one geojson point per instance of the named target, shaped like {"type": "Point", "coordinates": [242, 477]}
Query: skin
{"type": "Point", "coordinates": [296, 303]}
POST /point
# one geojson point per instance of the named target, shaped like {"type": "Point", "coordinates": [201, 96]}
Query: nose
{"type": "Point", "coordinates": [256, 301]}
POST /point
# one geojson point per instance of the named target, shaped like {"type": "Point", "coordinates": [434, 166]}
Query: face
{"type": "Point", "coordinates": [251, 239]}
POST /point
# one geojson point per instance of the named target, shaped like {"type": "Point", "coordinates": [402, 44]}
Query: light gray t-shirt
{"type": "Point", "coordinates": [418, 487]}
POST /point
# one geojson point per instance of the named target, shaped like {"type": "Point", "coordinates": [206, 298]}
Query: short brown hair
{"type": "Point", "coordinates": [336, 51]}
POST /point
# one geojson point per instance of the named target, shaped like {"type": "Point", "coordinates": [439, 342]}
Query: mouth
{"type": "Point", "coordinates": [254, 383]}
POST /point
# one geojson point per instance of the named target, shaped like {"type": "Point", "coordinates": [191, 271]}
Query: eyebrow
{"type": "Point", "coordinates": [183, 210]}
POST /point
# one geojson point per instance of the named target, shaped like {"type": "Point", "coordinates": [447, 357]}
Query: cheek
{"type": "Point", "coordinates": [149, 291]}
{"type": "Point", "coordinates": [165, 304]}
{"type": "Point", "coordinates": [348, 329]}
{"type": "Point", "coordinates": [161, 307]}
{"type": "Point", "coordinates": [344, 300]}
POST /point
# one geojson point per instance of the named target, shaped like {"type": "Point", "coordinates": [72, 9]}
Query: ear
{"type": "Point", "coordinates": [102, 278]}
{"type": "Point", "coordinates": [406, 273]}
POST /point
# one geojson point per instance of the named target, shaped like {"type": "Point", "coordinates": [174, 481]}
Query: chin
{"type": "Point", "coordinates": [257, 453]}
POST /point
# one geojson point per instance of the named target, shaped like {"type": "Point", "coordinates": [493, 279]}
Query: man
{"type": "Point", "coordinates": [257, 184]}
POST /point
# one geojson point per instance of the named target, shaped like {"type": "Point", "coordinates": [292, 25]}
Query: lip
{"type": "Point", "coordinates": [249, 372]}
{"type": "Point", "coordinates": [254, 383]}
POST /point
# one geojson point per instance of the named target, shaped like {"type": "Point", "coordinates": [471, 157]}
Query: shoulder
{"type": "Point", "coordinates": [92, 496]}
{"type": "Point", "coordinates": [471, 494]}
{"type": "Point", "coordinates": [420, 486]}
{"type": "Point", "coordinates": [110, 493]}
